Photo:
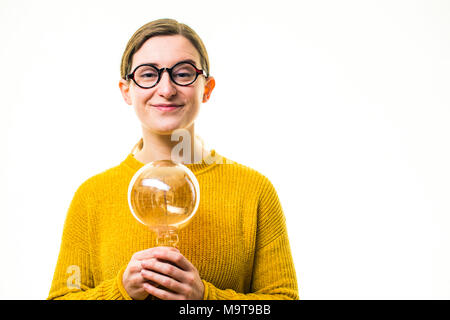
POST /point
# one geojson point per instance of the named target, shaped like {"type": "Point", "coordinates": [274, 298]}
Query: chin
{"type": "Point", "coordinates": [166, 130]}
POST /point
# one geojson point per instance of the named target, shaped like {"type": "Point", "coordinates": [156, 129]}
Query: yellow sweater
{"type": "Point", "coordinates": [237, 240]}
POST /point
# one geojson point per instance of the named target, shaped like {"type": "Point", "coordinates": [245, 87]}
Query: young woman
{"type": "Point", "coordinates": [235, 247]}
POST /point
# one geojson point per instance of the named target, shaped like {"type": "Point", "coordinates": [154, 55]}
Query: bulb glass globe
{"type": "Point", "coordinates": [164, 195]}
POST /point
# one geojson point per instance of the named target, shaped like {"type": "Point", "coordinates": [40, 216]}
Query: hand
{"type": "Point", "coordinates": [132, 279]}
{"type": "Point", "coordinates": [168, 268]}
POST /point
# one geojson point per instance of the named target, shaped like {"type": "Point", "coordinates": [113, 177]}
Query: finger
{"type": "Point", "coordinates": [174, 257]}
{"type": "Point", "coordinates": [165, 268]}
{"type": "Point", "coordinates": [134, 267]}
{"type": "Point", "coordinates": [164, 281]}
{"type": "Point", "coordinates": [160, 293]}
{"type": "Point", "coordinates": [132, 274]}
{"type": "Point", "coordinates": [149, 253]}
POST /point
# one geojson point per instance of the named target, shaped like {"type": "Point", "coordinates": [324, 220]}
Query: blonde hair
{"type": "Point", "coordinates": [162, 27]}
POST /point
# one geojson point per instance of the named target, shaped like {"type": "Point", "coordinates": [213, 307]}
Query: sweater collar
{"type": "Point", "coordinates": [212, 159]}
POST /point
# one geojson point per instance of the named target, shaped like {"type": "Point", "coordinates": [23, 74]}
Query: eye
{"type": "Point", "coordinates": [183, 74]}
{"type": "Point", "coordinates": [149, 75]}
{"type": "Point", "coordinates": [147, 72]}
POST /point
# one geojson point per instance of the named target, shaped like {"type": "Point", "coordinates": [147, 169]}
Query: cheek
{"type": "Point", "coordinates": [140, 99]}
{"type": "Point", "coordinates": [139, 96]}
{"type": "Point", "coordinates": [196, 96]}
{"type": "Point", "coordinates": [141, 114]}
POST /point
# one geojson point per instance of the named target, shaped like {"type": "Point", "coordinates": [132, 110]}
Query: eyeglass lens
{"type": "Point", "coordinates": [182, 74]}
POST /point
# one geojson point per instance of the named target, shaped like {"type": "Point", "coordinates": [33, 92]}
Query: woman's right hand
{"type": "Point", "coordinates": [132, 279]}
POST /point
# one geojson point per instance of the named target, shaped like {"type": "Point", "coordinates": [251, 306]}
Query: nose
{"type": "Point", "coordinates": [166, 88]}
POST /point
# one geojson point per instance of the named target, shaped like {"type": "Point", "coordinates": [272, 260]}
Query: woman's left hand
{"type": "Point", "coordinates": [170, 269]}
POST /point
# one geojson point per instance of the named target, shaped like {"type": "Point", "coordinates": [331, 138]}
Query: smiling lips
{"type": "Point", "coordinates": [167, 107]}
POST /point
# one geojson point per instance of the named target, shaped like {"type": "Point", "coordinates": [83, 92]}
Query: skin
{"type": "Point", "coordinates": [153, 271]}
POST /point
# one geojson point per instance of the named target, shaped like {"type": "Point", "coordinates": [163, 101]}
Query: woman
{"type": "Point", "coordinates": [236, 246]}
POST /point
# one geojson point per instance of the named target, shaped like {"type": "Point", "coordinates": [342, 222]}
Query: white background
{"type": "Point", "coordinates": [343, 105]}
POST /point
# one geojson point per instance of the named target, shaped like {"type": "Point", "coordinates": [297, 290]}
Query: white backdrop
{"type": "Point", "coordinates": [343, 105]}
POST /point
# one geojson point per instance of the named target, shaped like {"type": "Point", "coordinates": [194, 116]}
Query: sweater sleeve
{"type": "Point", "coordinates": [273, 275]}
{"type": "Point", "coordinates": [73, 278]}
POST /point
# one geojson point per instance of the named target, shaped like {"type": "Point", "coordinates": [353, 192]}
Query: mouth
{"type": "Point", "coordinates": [167, 107]}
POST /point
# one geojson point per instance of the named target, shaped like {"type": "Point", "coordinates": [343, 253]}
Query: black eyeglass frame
{"type": "Point", "coordinates": [169, 71]}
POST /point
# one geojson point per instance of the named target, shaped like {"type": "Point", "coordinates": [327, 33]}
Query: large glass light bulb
{"type": "Point", "coordinates": [164, 195]}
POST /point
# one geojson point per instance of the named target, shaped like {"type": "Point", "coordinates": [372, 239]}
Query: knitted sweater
{"type": "Point", "coordinates": [237, 240]}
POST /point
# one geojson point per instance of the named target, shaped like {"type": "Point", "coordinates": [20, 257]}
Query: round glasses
{"type": "Point", "coordinates": [147, 75]}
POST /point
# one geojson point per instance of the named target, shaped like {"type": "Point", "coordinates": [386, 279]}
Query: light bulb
{"type": "Point", "coordinates": [164, 195]}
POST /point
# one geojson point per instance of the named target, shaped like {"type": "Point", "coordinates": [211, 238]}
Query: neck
{"type": "Point", "coordinates": [186, 148]}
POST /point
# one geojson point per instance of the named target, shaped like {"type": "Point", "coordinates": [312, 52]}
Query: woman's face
{"type": "Point", "coordinates": [165, 52]}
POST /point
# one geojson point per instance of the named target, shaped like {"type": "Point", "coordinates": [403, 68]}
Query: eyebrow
{"type": "Point", "coordinates": [185, 60]}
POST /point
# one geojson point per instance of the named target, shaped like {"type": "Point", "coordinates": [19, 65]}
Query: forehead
{"type": "Point", "coordinates": [165, 51]}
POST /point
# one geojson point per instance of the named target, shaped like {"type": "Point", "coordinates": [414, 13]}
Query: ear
{"type": "Point", "coordinates": [209, 87]}
{"type": "Point", "coordinates": [125, 90]}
